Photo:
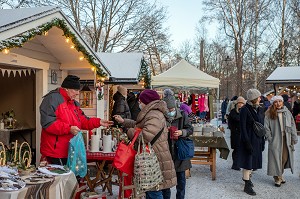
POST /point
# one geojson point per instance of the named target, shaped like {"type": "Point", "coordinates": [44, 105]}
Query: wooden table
{"type": "Point", "coordinates": [208, 157]}
{"type": "Point", "coordinates": [102, 178]}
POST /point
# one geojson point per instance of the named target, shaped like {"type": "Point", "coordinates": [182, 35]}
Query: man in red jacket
{"type": "Point", "coordinates": [61, 119]}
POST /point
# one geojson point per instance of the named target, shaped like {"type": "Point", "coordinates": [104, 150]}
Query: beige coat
{"type": "Point", "coordinates": [151, 120]}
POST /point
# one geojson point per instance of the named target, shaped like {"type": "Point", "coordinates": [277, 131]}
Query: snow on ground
{"type": "Point", "coordinates": [229, 184]}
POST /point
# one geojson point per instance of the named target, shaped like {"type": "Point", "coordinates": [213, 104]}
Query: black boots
{"type": "Point", "coordinates": [248, 188]}
{"type": "Point", "coordinates": [250, 182]}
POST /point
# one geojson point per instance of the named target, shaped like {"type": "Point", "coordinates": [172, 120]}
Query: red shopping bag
{"type": "Point", "coordinates": [124, 158]}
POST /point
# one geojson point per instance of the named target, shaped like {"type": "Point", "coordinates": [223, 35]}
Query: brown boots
{"type": "Point", "coordinates": [278, 180]}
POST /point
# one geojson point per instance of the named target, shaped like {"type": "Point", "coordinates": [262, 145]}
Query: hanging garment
{"type": "Point", "coordinates": [206, 106]}
{"type": "Point", "coordinates": [201, 99]}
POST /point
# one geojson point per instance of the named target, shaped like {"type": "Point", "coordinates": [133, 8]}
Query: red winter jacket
{"type": "Point", "coordinates": [58, 114]}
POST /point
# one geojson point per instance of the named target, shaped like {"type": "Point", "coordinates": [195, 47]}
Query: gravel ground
{"type": "Point", "coordinates": [229, 184]}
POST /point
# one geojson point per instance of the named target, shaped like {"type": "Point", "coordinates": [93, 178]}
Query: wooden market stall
{"type": "Point", "coordinates": [286, 80]}
{"type": "Point", "coordinates": [127, 69]}
{"type": "Point", "coordinates": [39, 47]}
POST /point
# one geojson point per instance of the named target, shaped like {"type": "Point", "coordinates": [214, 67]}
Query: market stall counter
{"type": "Point", "coordinates": [205, 151]}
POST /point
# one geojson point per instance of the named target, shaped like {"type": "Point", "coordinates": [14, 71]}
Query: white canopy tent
{"type": "Point", "coordinates": [186, 76]}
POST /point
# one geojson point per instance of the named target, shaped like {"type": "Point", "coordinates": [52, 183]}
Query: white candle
{"type": "Point", "coordinates": [107, 143]}
{"type": "Point", "coordinates": [95, 143]}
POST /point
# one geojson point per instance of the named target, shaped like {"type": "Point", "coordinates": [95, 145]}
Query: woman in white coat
{"type": "Point", "coordinates": [281, 134]}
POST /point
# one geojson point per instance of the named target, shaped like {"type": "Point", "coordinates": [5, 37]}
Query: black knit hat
{"type": "Point", "coordinates": [72, 82]}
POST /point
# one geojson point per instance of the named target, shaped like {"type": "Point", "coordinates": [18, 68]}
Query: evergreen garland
{"type": "Point", "coordinates": [19, 40]}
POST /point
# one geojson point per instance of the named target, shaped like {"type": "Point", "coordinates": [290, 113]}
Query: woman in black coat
{"type": "Point", "coordinates": [235, 135]}
{"type": "Point", "coordinates": [251, 146]}
{"type": "Point", "coordinates": [120, 105]}
{"type": "Point", "coordinates": [133, 103]}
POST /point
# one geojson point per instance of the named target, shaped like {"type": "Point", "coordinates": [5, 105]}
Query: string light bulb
{"type": "Point", "coordinates": [81, 58]}
{"type": "Point", "coordinates": [67, 39]}
{"type": "Point", "coordinates": [45, 33]}
{"type": "Point", "coordinates": [93, 69]}
{"type": "Point", "coordinates": [6, 51]}
{"type": "Point", "coordinates": [72, 47]}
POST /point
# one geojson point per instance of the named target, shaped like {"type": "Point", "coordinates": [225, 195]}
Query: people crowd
{"type": "Point", "coordinates": [278, 120]}
{"type": "Point", "coordinates": [62, 118]}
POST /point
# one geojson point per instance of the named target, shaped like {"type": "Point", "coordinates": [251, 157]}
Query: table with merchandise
{"type": "Point", "coordinates": [47, 182]}
{"type": "Point", "coordinates": [205, 151]}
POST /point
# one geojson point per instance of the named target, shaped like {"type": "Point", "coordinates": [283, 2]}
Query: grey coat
{"type": "Point", "coordinates": [182, 122]}
{"type": "Point", "coordinates": [275, 139]}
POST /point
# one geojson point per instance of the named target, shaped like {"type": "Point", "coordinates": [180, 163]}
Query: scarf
{"type": "Point", "coordinates": [288, 120]}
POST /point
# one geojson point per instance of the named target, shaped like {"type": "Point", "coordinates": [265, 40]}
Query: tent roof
{"type": "Point", "coordinates": [184, 74]}
{"type": "Point", "coordinates": [284, 75]}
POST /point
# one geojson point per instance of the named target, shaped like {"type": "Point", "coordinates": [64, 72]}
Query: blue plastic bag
{"type": "Point", "coordinates": [77, 156]}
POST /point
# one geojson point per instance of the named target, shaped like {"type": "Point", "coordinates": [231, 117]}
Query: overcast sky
{"type": "Point", "coordinates": [183, 18]}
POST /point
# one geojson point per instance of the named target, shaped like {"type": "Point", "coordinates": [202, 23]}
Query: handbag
{"type": "Point", "coordinates": [124, 157]}
{"type": "Point", "coordinates": [258, 127]}
{"type": "Point", "coordinates": [185, 148]}
{"type": "Point", "coordinates": [147, 173]}
{"type": "Point", "coordinates": [77, 156]}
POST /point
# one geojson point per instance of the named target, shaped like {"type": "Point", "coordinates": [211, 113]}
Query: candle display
{"type": "Point", "coordinates": [2, 155]}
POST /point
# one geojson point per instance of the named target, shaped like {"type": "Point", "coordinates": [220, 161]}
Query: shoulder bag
{"type": "Point", "coordinates": [124, 157]}
{"type": "Point", "coordinates": [185, 148]}
{"type": "Point", "coordinates": [258, 127]}
{"type": "Point", "coordinates": [147, 172]}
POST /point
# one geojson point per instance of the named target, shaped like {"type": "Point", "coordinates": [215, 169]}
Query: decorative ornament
{"type": "Point", "coordinates": [2, 155]}
{"type": "Point", "coordinates": [25, 162]}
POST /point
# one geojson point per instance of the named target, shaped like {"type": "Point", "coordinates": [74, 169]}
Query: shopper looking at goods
{"type": "Point", "coordinates": [151, 120]}
{"type": "Point", "coordinates": [183, 128]}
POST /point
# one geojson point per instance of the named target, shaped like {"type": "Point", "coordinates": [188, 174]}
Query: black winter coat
{"type": "Point", "coordinates": [120, 106]}
{"type": "Point", "coordinates": [234, 124]}
{"type": "Point", "coordinates": [133, 105]}
{"type": "Point", "coordinates": [250, 159]}
{"type": "Point", "coordinates": [182, 122]}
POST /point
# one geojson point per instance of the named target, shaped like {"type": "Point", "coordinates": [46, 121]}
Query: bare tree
{"type": "Point", "coordinates": [116, 25]}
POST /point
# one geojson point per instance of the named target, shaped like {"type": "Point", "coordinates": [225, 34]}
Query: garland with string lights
{"type": "Point", "coordinates": [19, 40]}
{"type": "Point", "coordinates": [145, 74]}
